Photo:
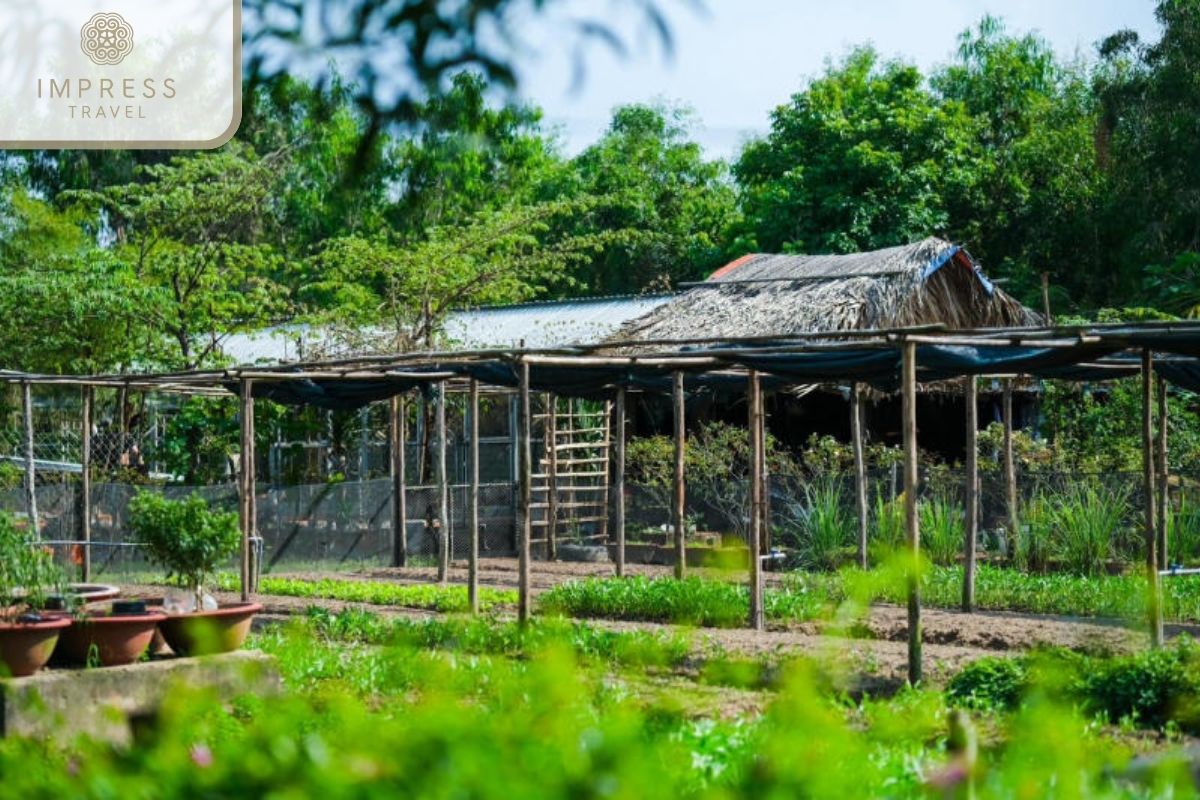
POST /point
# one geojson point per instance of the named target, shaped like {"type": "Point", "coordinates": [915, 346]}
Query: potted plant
{"type": "Point", "coordinates": [191, 541]}
{"type": "Point", "coordinates": [107, 637]}
{"type": "Point", "coordinates": [28, 575]}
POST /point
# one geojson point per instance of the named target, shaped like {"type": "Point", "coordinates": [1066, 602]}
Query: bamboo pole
{"type": "Point", "coordinates": [31, 508]}
{"type": "Point", "coordinates": [551, 429]}
{"type": "Point", "coordinates": [246, 484]}
{"type": "Point", "coordinates": [1164, 483]}
{"type": "Point", "coordinates": [756, 497]}
{"type": "Point", "coordinates": [619, 480]}
{"type": "Point", "coordinates": [443, 489]}
{"type": "Point", "coordinates": [971, 521]}
{"type": "Point", "coordinates": [399, 425]}
{"type": "Point", "coordinates": [85, 485]}
{"type": "Point", "coordinates": [1010, 467]}
{"type": "Point", "coordinates": [473, 542]}
{"type": "Point", "coordinates": [1154, 606]}
{"type": "Point", "coordinates": [911, 520]}
{"type": "Point", "coordinates": [860, 470]}
{"type": "Point", "coordinates": [678, 520]}
{"type": "Point", "coordinates": [525, 494]}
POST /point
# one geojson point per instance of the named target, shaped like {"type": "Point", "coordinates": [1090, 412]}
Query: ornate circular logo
{"type": "Point", "coordinates": [106, 39]}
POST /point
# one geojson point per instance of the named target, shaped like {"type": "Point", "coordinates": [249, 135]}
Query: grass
{"type": "Point", "coordinates": [692, 601]}
{"type": "Point", "coordinates": [942, 529]}
{"type": "Point", "coordinates": [449, 599]}
{"type": "Point", "coordinates": [807, 596]}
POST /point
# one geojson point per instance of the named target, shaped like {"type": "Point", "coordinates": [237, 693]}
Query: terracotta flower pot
{"type": "Point", "coordinates": [206, 632]}
{"type": "Point", "coordinates": [117, 638]}
{"type": "Point", "coordinates": [25, 647]}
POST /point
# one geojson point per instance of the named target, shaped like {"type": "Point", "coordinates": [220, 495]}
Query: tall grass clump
{"type": "Point", "coordinates": [1031, 545]}
{"type": "Point", "coordinates": [888, 515]}
{"type": "Point", "coordinates": [823, 524]}
{"type": "Point", "coordinates": [942, 529]}
{"type": "Point", "coordinates": [1086, 522]}
{"type": "Point", "coordinates": [1183, 532]}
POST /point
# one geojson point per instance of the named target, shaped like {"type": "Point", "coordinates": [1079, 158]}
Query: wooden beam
{"type": "Point", "coordinates": [679, 495]}
{"type": "Point", "coordinates": [1164, 483]}
{"type": "Point", "coordinates": [524, 493]}
{"type": "Point", "coordinates": [551, 404]}
{"type": "Point", "coordinates": [85, 484]}
{"type": "Point", "coordinates": [246, 484]}
{"type": "Point", "coordinates": [971, 491]}
{"type": "Point", "coordinates": [473, 540]}
{"type": "Point", "coordinates": [860, 470]}
{"type": "Point", "coordinates": [754, 539]}
{"type": "Point", "coordinates": [399, 441]}
{"type": "Point", "coordinates": [31, 507]}
{"type": "Point", "coordinates": [1154, 606]}
{"type": "Point", "coordinates": [1011, 507]}
{"type": "Point", "coordinates": [443, 489]}
{"type": "Point", "coordinates": [911, 520]}
{"type": "Point", "coordinates": [619, 480]}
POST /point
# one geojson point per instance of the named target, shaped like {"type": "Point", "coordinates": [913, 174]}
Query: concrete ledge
{"type": "Point", "coordinates": [105, 703]}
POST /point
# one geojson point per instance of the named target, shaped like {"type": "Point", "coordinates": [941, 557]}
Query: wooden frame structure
{"type": "Point", "coordinates": [458, 370]}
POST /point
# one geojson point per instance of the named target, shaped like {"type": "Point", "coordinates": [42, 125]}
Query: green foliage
{"type": "Point", "coordinates": [1032, 544]}
{"type": "Point", "coordinates": [27, 572]}
{"type": "Point", "coordinates": [1085, 525]}
{"type": "Point", "coordinates": [449, 599]}
{"type": "Point", "coordinates": [822, 522]}
{"type": "Point", "coordinates": [990, 684]}
{"type": "Point", "coordinates": [184, 536]}
{"type": "Point", "coordinates": [1153, 687]}
{"type": "Point", "coordinates": [942, 529]}
{"type": "Point", "coordinates": [692, 601]}
{"type": "Point", "coordinates": [1183, 531]}
{"type": "Point", "coordinates": [889, 535]}
{"type": "Point", "coordinates": [863, 157]}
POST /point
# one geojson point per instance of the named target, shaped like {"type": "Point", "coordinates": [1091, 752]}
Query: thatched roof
{"type": "Point", "coordinates": [931, 281]}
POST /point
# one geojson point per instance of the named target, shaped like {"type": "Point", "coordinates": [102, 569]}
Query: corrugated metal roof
{"type": "Point", "coordinates": [889, 261]}
{"type": "Point", "coordinates": [557, 323]}
{"type": "Point", "coordinates": [551, 324]}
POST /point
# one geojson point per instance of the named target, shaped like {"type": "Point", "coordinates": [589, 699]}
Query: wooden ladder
{"type": "Point", "coordinates": [574, 460]}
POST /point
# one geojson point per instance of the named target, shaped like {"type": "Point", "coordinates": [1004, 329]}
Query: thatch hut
{"type": "Point", "coordinates": [930, 281]}
{"type": "Point", "coordinates": [765, 295]}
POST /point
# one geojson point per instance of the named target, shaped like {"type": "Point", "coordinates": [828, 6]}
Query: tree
{"type": "Point", "coordinates": [657, 185]}
{"type": "Point", "coordinates": [1150, 95]}
{"type": "Point", "coordinates": [468, 157]}
{"type": "Point", "coordinates": [1037, 195]}
{"type": "Point", "coordinates": [864, 157]}
{"type": "Point", "coordinates": [386, 296]}
{"type": "Point", "coordinates": [65, 304]}
{"type": "Point", "coordinates": [190, 233]}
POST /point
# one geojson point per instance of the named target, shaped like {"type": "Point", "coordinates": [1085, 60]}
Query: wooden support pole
{"type": "Point", "coordinates": [246, 484]}
{"type": "Point", "coordinates": [399, 425]}
{"type": "Point", "coordinates": [971, 491]}
{"type": "Point", "coordinates": [911, 520]}
{"type": "Point", "coordinates": [525, 493]}
{"type": "Point", "coordinates": [1011, 507]}
{"type": "Point", "coordinates": [473, 540]}
{"type": "Point", "coordinates": [1164, 480]}
{"type": "Point", "coordinates": [860, 470]}
{"type": "Point", "coordinates": [85, 485]}
{"type": "Point", "coordinates": [1154, 604]}
{"type": "Point", "coordinates": [678, 518]}
{"type": "Point", "coordinates": [443, 489]}
{"type": "Point", "coordinates": [551, 404]}
{"type": "Point", "coordinates": [31, 508]}
{"type": "Point", "coordinates": [619, 480]}
{"type": "Point", "coordinates": [754, 540]}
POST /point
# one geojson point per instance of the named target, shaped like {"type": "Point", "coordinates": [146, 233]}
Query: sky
{"type": "Point", "coordinates": [735, 60]}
